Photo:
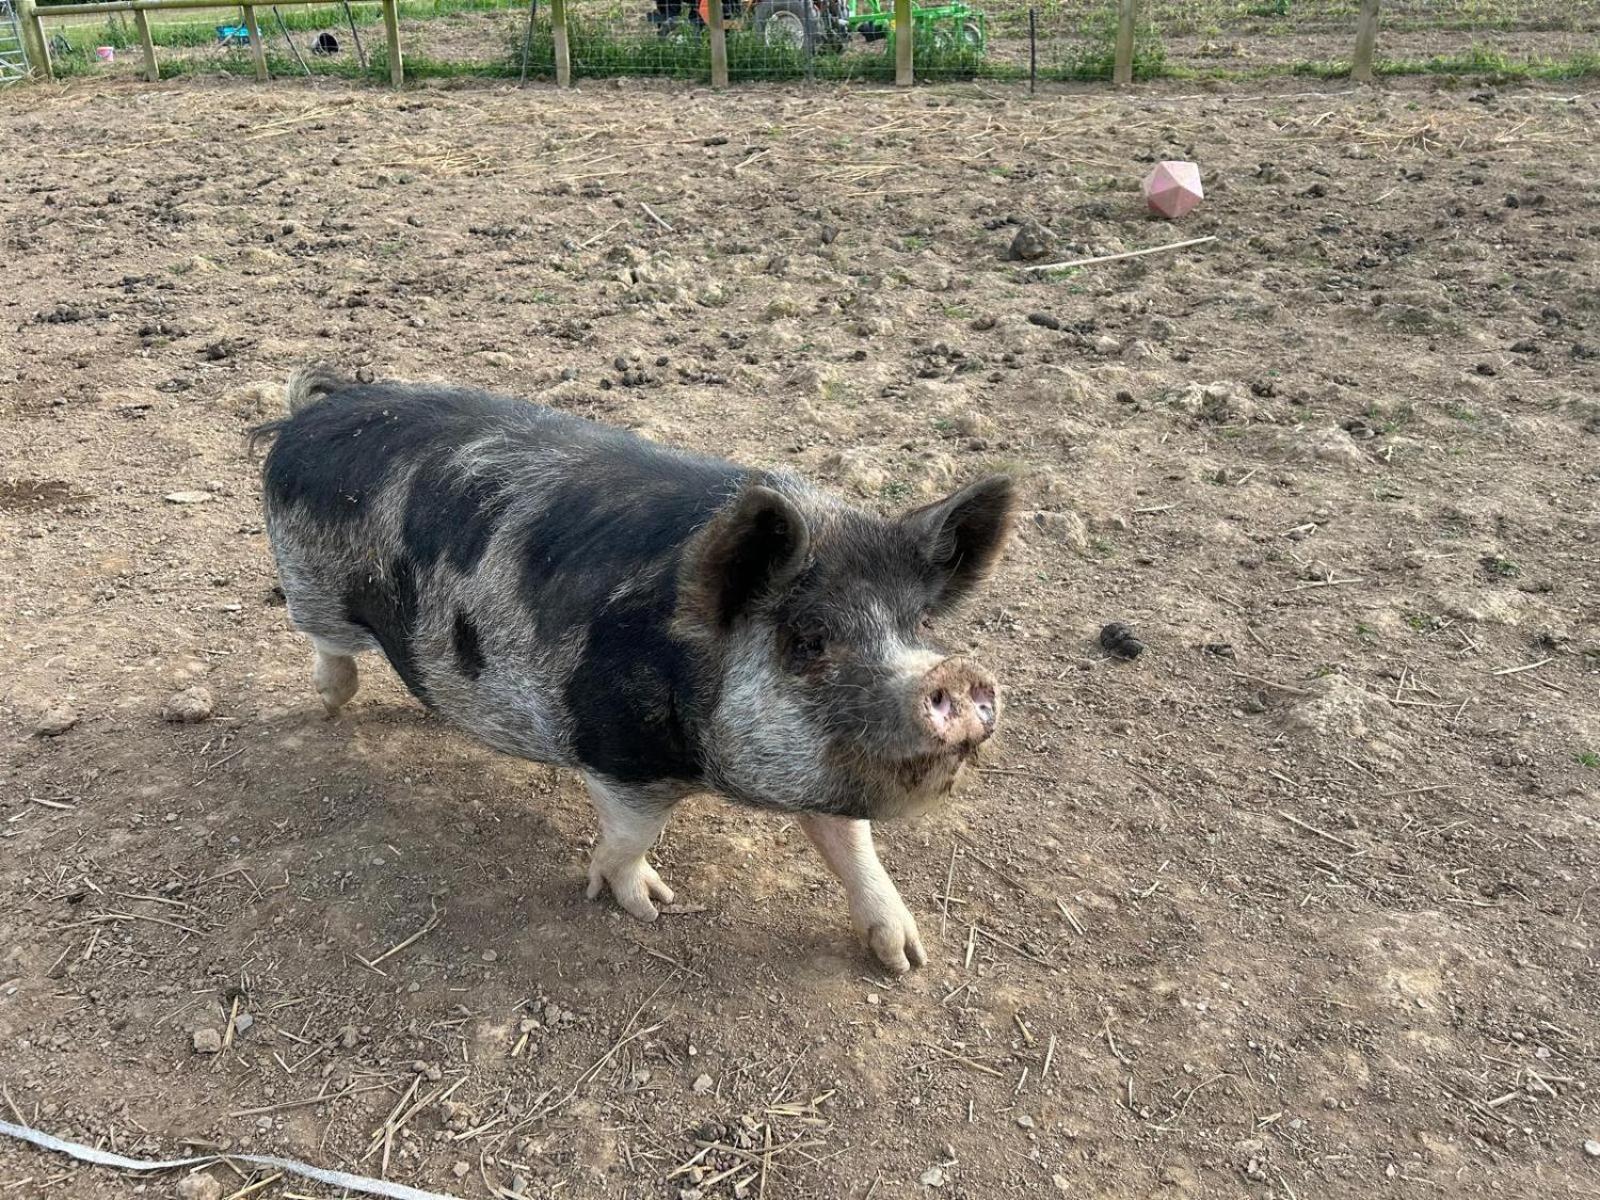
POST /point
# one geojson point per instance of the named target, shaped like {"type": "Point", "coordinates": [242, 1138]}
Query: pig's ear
{"type": "Point", "coordinates": [962, 535]}
{"type": "Point", "coordinates": [755, 546]}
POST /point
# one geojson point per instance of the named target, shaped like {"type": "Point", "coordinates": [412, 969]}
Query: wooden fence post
{"type": "Point", "coordinates": [1366, 38]}
{"type": "Point", "coordinates": [904, 72]}
{"type": "Point", "coordinates": [257, 50]}
{"type": "Point", "coordinates": [152, 72]}
{"type": "Point", "coordinates": [563, 51]}
{"type": "Point", "coordinates": [391, 29]}
{"type": "Point", "coordinates": [1122, 68]}
{"type": "Point", "coordinates": [34, 40]}
{"type": "Point", "coordinates": [719, 45]}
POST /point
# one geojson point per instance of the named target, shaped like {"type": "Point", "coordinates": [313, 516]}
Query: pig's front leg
{"type": "Point", "coordinates": [629, 826]}
{"type": "Point", "coordinates": [876, 910]}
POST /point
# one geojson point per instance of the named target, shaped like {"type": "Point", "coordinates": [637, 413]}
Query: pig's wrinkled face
{"type": "Point", "coordinates": [835, 690]}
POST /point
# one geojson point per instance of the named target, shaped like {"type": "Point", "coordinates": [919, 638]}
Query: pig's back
{"type": "Point", "coordinates": [515, 564]}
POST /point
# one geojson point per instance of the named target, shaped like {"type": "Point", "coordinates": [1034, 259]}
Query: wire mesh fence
{"type": "Point", "coordinates": [1042, 42]}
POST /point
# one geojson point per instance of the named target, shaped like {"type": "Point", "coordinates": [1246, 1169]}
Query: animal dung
{"type": "Point", "coordinates": [1119, 639]}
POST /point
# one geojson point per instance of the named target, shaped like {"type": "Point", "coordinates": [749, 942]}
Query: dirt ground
{"type": "Point", "coordinates": [1299, 903]}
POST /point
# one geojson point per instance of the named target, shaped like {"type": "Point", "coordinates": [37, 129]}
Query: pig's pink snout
{"type": "Point", "coordinates": [960, 703]}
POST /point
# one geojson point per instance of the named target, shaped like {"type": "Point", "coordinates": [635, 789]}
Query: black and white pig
{"type": "Point", "coordinates": [663, 622]}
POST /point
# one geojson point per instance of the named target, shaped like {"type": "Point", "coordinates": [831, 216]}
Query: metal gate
{"type": "Point", "coordinates": [13, 54]}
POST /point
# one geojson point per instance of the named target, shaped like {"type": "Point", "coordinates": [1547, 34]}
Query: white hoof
{"type": "Point", "coordinates": [633, 882]}
{"type": "Point", "coordinates": [887, 928]}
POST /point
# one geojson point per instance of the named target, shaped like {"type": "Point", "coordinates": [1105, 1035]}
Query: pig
{"type": "Point", "coordinates": [665, 623]}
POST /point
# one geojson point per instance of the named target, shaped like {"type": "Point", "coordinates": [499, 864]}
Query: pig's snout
{"type": "Point", "coordinates": [960, 704]}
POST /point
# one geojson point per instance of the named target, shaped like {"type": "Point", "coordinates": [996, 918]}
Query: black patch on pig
{"type": "Point", "coordinates": [634, 700]}
{"type": "Point", "coordinates": [387, 609]}
{"type": "Point", "coordinates": [629, 515]}
{"type": "Point", "coordinates": [469, 652]}
{"type": "Point", "coordinates": [622, 519]}
{"type": "Point", "coordinates": [448, 516]}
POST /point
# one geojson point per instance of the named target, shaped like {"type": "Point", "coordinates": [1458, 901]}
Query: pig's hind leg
{"type": "Point", "coordinates": [629, 826]}
{"type": "Point", "coordinates": [881, 918]}
{"type": "Point", "coordinates": [334, 676]}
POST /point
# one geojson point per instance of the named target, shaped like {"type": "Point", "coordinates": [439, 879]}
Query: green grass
{"type": "Point", "coordinates": [1587, 758]}
{"type": "Point", "coordinates": [118, 29]}
{"type": "Point", "coordinates": [613, 46]}
{"type": "Point", "coordinates": [1473, 61]}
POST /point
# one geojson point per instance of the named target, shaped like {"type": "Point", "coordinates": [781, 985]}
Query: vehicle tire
{"type": "Point", "coordinates": [966, 36]}
{"type": "Point", "coordinates": [783, 23]}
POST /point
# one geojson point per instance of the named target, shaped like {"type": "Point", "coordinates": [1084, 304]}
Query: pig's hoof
{"type": "Point", "coordinates": [891, 934]}
{"type": "Point", "coordinates": [336, 680]}
{"type": "Point", "coordinates": [634, 883]}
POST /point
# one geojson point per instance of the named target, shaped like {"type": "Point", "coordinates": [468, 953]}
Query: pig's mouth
{"type": "Point", "coordinates": [928, 776]}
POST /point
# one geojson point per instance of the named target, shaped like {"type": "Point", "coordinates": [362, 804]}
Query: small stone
{"type": "Point", "coordinates": [348, 1037]}
{"type": "Point", "coordinates": [460, 1170]}
{"type": "Point", "coordinates": [933, 1177]}
{"type": "Point", "coordinates": [1044, 320]}
{"type": "Point", "coordinates": [1062, 1183]}
{"type": "Point", "coordinates": [973, 424]}
{"type": "Point", "coordinates": [490, 956]}
{"type": "Point", "coordinates": [207, 1041]}
{"type": "Point", "coordinates": [1592, 1148]}
{"type": "Point", "coordinates": [188, 707]}
{"type": "Point", "coordinates": [701, 1085]}
{"type": "Point", "coordinates": [519, 1185]}
{"type": "Point", "coordinates": [874, 998]}
{"type": "Point", "coordinates": [56, 720]}
{"type": "Point", "coordinates": [188, 497]}
{"type": "Point", "coordinates": [1066, 528]}
{"type": "Point", "coordinates": [1025, 1121]}
{"type": "Point", "coordinates": [199, 1187]}
{"type": "Point", "coordinates": [243, 1023]}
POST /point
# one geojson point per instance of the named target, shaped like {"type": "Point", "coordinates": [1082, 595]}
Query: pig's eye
{"type": "Point", "coordinates": [926, 624]}
{"type": "Point", "coordinates": [805, 650]}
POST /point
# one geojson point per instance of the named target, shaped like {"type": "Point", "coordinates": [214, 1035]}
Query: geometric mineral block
{"type": "Point", "coordinates": [1173, 189]}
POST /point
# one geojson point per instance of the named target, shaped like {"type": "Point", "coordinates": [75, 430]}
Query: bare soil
{"type": "Point", "coordinates": [1299, 903]}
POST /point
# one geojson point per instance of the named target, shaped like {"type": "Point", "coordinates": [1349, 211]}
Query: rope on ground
{"type": "Point", "coordinates": [337, 1179]}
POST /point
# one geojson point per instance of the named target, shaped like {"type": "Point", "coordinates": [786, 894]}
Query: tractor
{"type": "Point", "coordinates": [827, 25]}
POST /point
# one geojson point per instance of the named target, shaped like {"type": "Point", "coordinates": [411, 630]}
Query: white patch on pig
{"type": "Point", "coordinates": [908, 661]}
{"type": "Point", "coordinates": [629, 826]}
{"type": "Point", "coordinates": [515, 704]}
{"type": "Point", "coordinates": [762, 746]}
